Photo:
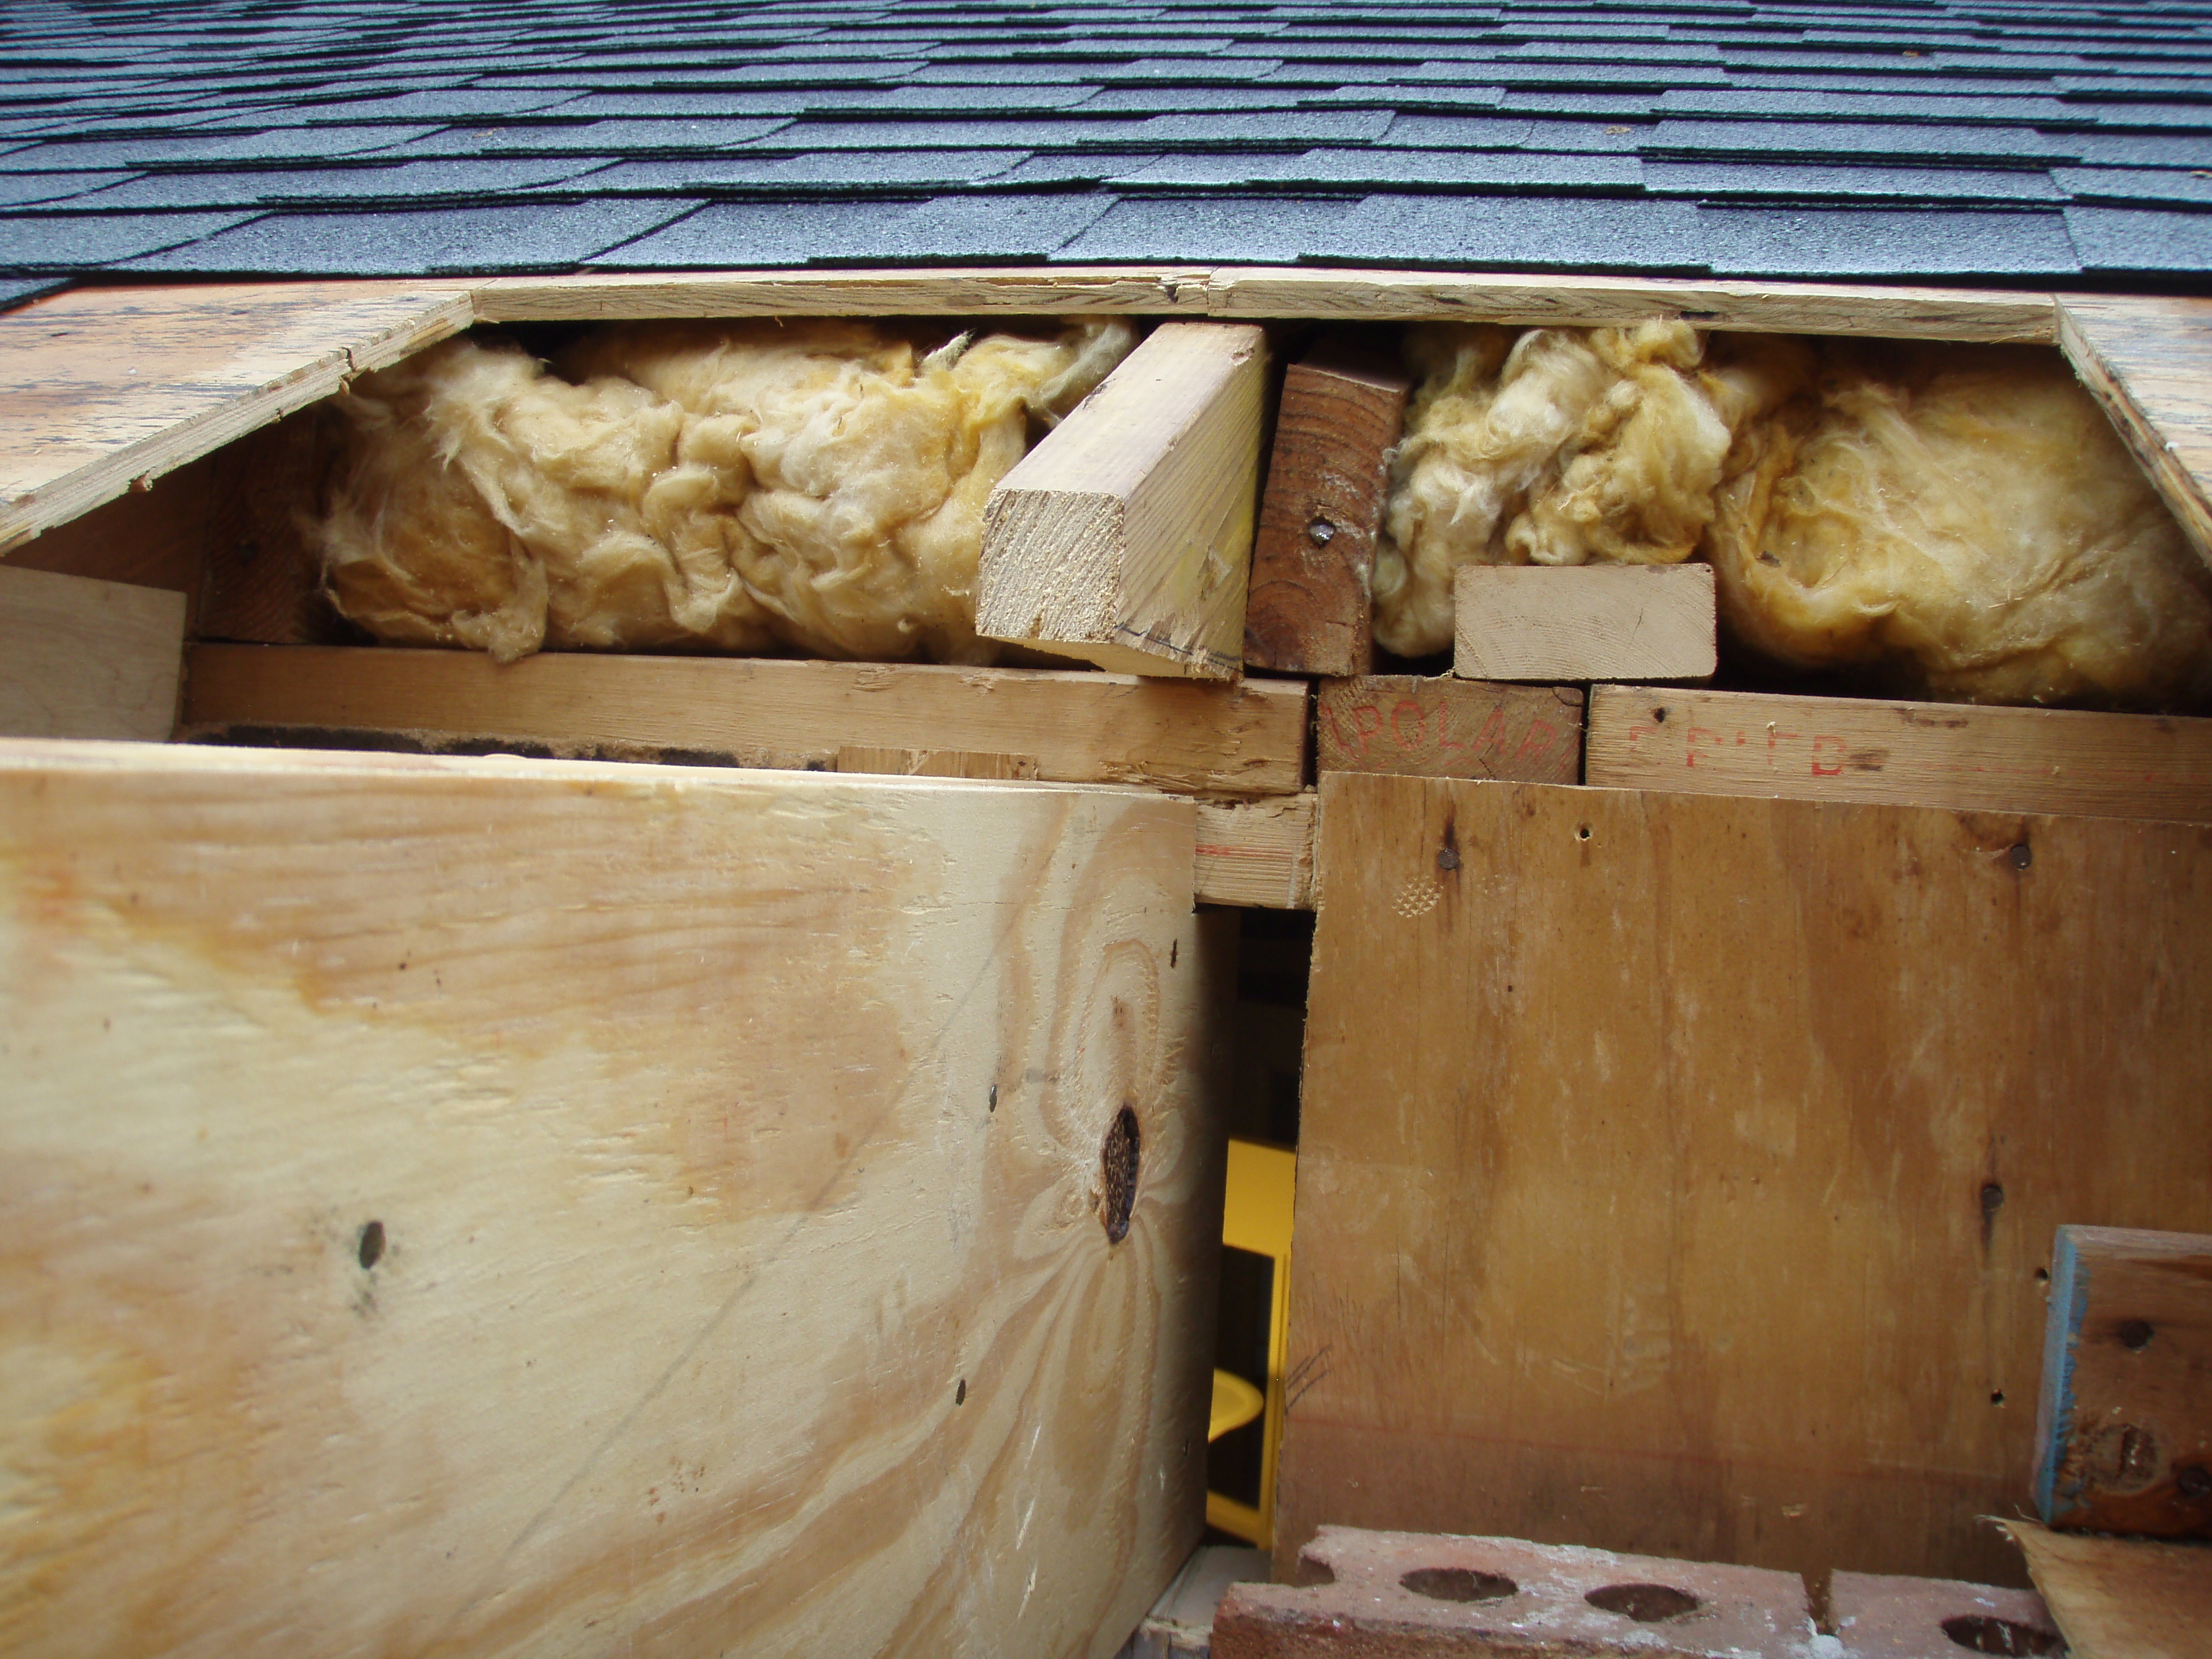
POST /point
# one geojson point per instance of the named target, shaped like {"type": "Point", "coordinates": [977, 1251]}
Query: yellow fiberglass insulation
{"type": "Point", "coordinates": [1959, 522]}
{"type": "Point", "coordinates": [731, 487]}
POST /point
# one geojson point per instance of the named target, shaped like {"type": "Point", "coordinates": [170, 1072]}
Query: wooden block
{"type": "Point", "coordinates": [86, 658]}
{"type": "Point", "coordinates": [1625, 1114]}
{"type": "Point", "coordinates": [1586, 621]}
{"type": "Point", "coordinates": [1447, 727]}
{"type": "Point", "coordinates": [104, 389]}
{"type": "Point", "coordinates": [1413, 1595]}
{"type": "Point", "coordinates": [519, 1208]}
{"type": "Point", "coordinates": [2123, 1423]}
{"type": "Point", "coordinates": [1079, 727]}
{"type": "Point", "coordinates": [1879, 1617]}
{"type": "Point", "coordinates": [935, 762]}
{"type": "Point", "coordinates": [1257, 852]}
{"type": "Point", "coordinates": [1312, 604]}
{"type": "Point", "coordinates": [2121, 1598]}
{"type": "Point", "coordinates": [1125, 536]}
{"type": "Point", "coordinates": [1927, 753]}
{"type": "Point", "coordinates": [2149, 361]}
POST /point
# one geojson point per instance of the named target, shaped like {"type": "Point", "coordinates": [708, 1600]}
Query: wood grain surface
{"type": "Point", "coordinates": [1677, 1173]}
{"type": "Point", "coordinates": [2149, 362]}
{"type": "Point", "coordinates": [86, 658]}
{"type": "Point", "coordinates": [2122, 1598]}
{"type": "Point", "coordinates": [2124, 1418]}
{"type": "Point", "coordinates": [103, 388]}
{"type": "Point", "coordinates": [1312, 609]}
{"type": "Point", "coordinates": [470, 1207]}
{"type": "Point", "coordinates": [1248, 738]}
{"type": "Point", "coordinates": [1257, 852]}
{"type": "Point", "coordinates": [1585, 622]}
{"type": "Point", "coordinates": [1124, 536]}
{"type": "Point", "coordinates": [1924, 754]}
{"type": "Point", "coordinates": [1442, 727]}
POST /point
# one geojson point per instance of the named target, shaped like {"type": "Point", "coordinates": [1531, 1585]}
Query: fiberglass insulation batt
{"type": "Point", "coordinates": [731, 486]}
{"type": "Point", "coordinates": [1961, 519]}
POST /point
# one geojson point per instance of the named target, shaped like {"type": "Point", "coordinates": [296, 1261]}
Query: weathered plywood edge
{"type": "Point", "coordinates": [2185, 492]}
{"type": "Point", "coordinates": [1129, 290]}
{"type": "Point", "coordinates": [444, 310]}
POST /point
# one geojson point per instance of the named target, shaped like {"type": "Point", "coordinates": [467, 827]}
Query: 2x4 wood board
{"type": "Point", "coordinates": [1677, 1173]}
{"type": "Point", "coordinates": [471, 1207]}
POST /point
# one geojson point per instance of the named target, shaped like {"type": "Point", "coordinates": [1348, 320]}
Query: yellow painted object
{"type": "Point", "coordinates": [1256, 1217]}
{"type": "Point", "coordinates": [1236, 1402]}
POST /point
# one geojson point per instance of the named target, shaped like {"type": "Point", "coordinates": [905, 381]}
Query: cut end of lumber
{"type": "Point", "coordinates": [1591, 621]}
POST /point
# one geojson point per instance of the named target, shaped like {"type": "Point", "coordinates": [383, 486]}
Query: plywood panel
{"type": "Point", "coordinates": [1248, 738]}
{"type": "Point", "coordinates": [1676, 1173]}
{"type": "Point", "coordinates": [471, 1207]}
{"type": "Point", "coordinates": [86, 658]}
{"type": "Point", "coordinates": [2122, 1598]}
{"type": "Point", "coordinates": [2149, 361]}
{"type": "Point", "coordinates": [103, 388]}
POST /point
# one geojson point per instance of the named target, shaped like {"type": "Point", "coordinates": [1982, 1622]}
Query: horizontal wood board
{"type": "Point", "coordinates": [105, 389]}
{"type": "Point", "coordinates": [1246, 738]}
{"type": "Point", "coordinates": [2149, 362]}
{"type": "Point", "coordinates": [1257, 852]}
{"type": "Point", "coordinates": [1927, 753]}
{"type": "Point", "coordinates": [2123, 1418]}
{"type": "Point", "coordinates": [2122, 1598]}
{"type": "Point", "coordinates": [86, 658]}
{"type": "Point", "coordinates": [474, 1207]}
{"type": "Point", "coordinates": [1676, 1173]}
{"type": "Point", "coordinates": [1442, 727]}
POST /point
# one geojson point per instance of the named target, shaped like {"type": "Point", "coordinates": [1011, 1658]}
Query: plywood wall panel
{"type": "Point", "coordinates": [1676, 1172]}
{"type": "Point", "coordinates": [472, 1207]}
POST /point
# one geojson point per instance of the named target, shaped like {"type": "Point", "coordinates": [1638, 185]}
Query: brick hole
{"type": "Point", "coordinates": [1978, 1632]}
{"type": "Point", "coordinates": [1647, 1604]}
{"type": "Point", "coordinates": [1459, 1585]}
{"type": "Point", "coordinates": [1311, 1573]}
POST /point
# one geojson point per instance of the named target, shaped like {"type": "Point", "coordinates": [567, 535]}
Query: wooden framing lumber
{"type": "Point", "coordinates": [1258, 853]}
{"type": "Point", "coordinates": [1927, 754]}
{"type": "Point", "coordinates": [2120, 1598]}
{"type": "Point", "coordinates": [103, 390]}
{"type": "Point", "coordinates": [1312, 607]}
{"type": "Point", "coordinates": [1258, 293]}
{"type": "Point", "coordinates": [86, 658]}
{"type": "Point", "coordinates": [494, 1207]}
{"type": "Point", "coordinates": [2149, 362]}
{"type": "Point", "coordinates": [2123, 1421]}
{"type": "Point", "coordinates": [1077, 726]}
{"type": "Point", "coordinates": [1588, 622]}
{"type": "Point", "coordinates": [1125, 536]}
{"type": "Point", "coordinates": [1446, 727]}
{"type": "Point", "coordinates": [1625, 1113]}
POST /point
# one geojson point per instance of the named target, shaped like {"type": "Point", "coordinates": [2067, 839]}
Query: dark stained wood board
{"type": "Point", "coordinates": [1443, 727]}
{"type": "Point", "coordinates": [1689, 1189]}
{"type": "Point", "coordinates": [1311, 606]}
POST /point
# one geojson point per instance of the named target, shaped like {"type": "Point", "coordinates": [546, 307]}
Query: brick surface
{"type": "Point", "coordinates": [1880, 1618]}
{"type": "Point", "coordinates": [1412, 1596]}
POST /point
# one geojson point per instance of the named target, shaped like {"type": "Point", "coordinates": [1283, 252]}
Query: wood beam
{"type": "Point", "coordinates": [1076, 726]}
{"type": "Point", "coordinates": [1442, 726]}
{"type": "Point", "coordinates": [1927, 753]}
{"type": "Point", "coordinates": [1125, 536]}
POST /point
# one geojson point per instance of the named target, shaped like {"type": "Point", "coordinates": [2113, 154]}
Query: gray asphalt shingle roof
{"type": "Point", "coordinates": [2010, 140]}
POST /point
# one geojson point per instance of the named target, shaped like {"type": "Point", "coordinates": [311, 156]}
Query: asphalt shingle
{"type": "Point", "coordinates": [1997, 139]}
